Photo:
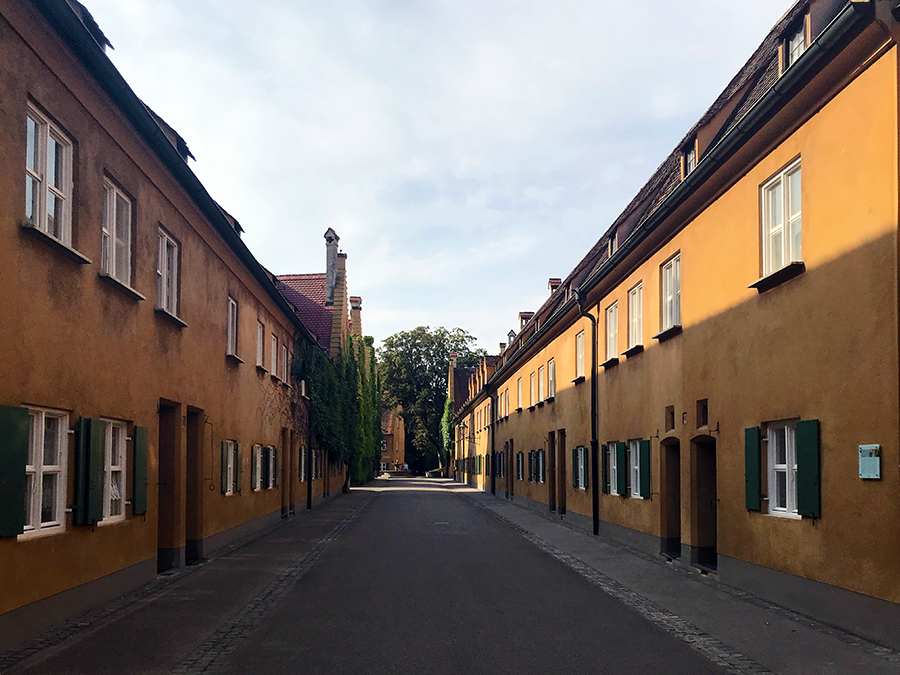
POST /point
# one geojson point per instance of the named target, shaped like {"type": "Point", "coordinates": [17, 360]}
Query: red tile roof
{"type": "Point", "coordinates": [387, 421]}
{"type": "Point", "coordinates": [306, 292]}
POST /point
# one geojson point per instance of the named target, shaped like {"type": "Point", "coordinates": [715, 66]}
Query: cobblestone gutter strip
{"type": "Point", "coordinates": [213, 652]}
{"type": "Point", "coordinates": [707, 645]}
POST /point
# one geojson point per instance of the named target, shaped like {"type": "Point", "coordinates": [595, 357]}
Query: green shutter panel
{"type": "Point", "coordinates": [809, 501]}
{"type": "Point", "coordinates": [90, 469]}
{"type": "Point", "coordinates": [254, 451]}
{"type": "Point", "coordinates": [265, 467]}
{"type": "Point", "coordinates": [752, 469]}
{"type": "Point", "coordinates": [530, 467]}
{"type": "Point", "coordinates": [238, 468]}
{"type": "Point", "coordinates": [14, 424]}
{"type": "Point", "coordinates": [604, 469]}
{"type": "Point", "coordinates": [224, 468]}
{"type": "Point", "coordinates": [98, 470]}
{"type": "Point", "coordinates": [621, 469]}
{"type": "Point", "coordinates": [139, 471]}
{"type": "Point", "coordinates": [645, 469]}
{"type": "Point", "coordinates": [575, 468]}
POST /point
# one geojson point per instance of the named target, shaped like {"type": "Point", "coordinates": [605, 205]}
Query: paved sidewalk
{"type": "Point", "coordinates": [695, 607]}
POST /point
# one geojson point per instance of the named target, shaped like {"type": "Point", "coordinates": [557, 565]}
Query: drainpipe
{"type": "Point", "coordinates": [493, 456]}
{"type": "Point", "coordinates": [595, 454]}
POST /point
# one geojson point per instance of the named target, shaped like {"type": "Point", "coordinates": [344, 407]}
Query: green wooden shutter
{"type": "Point", "coordinates": [809, 501]}
{"type": "Point", "coordinates": [14, 424]}
{"type": "Point", "coordinates": [224, 467]}
{"type": "Point", "coordinates": [575, 468]}
{"type": "Point", "coordinates": [90, 470]}
{"type": "Point", "coordinates": [139, 471]}
{"type": "Point", "coordinates": [604, 469]}
{"type": "Point", "coordinates": [752, 469]}
{"type": "Point", "coordinates": [622, 469]}
{"type": "Point", "coordinates": [530, 467]}
{"type": "Point", "coordinates": [238, 468]}
{"type": "Point", "coordinates": [254, 452]}
{"type": "Point", "coordinates": [645, 469]}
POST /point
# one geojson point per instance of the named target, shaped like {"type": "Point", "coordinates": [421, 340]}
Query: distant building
{"type": "Point", "coordinates": [393, 446]}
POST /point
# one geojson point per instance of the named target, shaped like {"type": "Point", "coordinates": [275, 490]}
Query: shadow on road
{"type": "Point", "coordinates": [415, 484]}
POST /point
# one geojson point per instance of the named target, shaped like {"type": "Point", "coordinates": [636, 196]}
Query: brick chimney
{"type": "Point", "coordinates": [331, 254]}
{"type": "Point", "coordinates": [339, 315]}
{"type": "Point", "coordinates": [553, 284]}
{"type": "Point", "coordinates": [356, 315]}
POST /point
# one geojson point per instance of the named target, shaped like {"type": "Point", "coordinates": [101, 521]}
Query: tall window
{"type": "Point", "coordinates": [256, 459]}
{"type": "Point", "coordinates": [115, 258]}
{"type": "Point", "coordinates": [285, 366]}
{"type": "Point", "coordinates": [114, 470]}
{"type": "Point", "coordinates": [260, 345]}
{"type": "Point", "coordinates": [274, 356]}
{"type": "Point", "coordinates": [671, 293]}
{"type": "Point", "coordinates": [232, 327]}
{"type": "Point", "coordinates": [532, 400]}
{"type": "Point", "coordinates": [580, 470]}
{"type": "Point", "coordinates": [541, 389]}
{"type": "Point", "coordinates": [579, 355]}
{"type": "Point", "coordinates": [45, 472]}
{"type": "Point", "coordinates": [782, 219]}
{"type": "Point", "coordinates": [782, 456]}
{"type": "Point", "coordinates": [636, 316]}
{"type": "Point", "coordinates": [614, 469]}
{"type": "Point", "coordinates": [230, 457]}
{"type": "Point", "coordinates": [634, 461]}
{"type": "Point", "coordinates": [519, 392]}
{"type": "Point", "coordinates": [690, 158]}
{"type": "Point", "coordinates": [506, 402]}
{"type": "Point", "coordinates": [167, 273]}
{"type": "Point", "coordinates": [48, 177]}
{"type": "Point", "coordinates": [794, 45]}
{"type": "Point", "coordinates": [612, 331]}
{"type": "Point", "coordinates": [551, 378]}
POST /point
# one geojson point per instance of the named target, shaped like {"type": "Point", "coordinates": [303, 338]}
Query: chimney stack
{"type": "Point", "coordinates": [502, 347]}
{"type": "Point", "coordinates": [331, 254]}
{"type": "Point", "coordinates": [339, 315]}
{"type": "Point", "coordinates": [553, 284]}
{"type": "Point", "coordinates": [356, 315]}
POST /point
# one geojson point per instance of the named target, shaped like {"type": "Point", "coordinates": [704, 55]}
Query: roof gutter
{"type": "Point", "coordinates": [86, 49]}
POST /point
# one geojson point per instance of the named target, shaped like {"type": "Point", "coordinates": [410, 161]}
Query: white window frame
{"type": "Point", "coordinates": [506, 402]}
{"type": "Point", "coordinates": [260, 345]}
{"type": "Point", "coordinates": [613, 468]}
{"type": "Point", "coordinates": [256, 458]}
{"type": "Point", "coordinates": [303, 476]}
{"type": "Point", "coordinates": [670, 273]}
{"type": "Point", "coordinates": [551, 378]}
{"type": "Point", "coordinates": [114, 263]}
{"type": "Point", "coordinates": [35, 470]}
{"type": "Point", "coordinates": [272, 478]}
{"type": "Point", "coordinates": [519, 384]}
{"type": "Point", "coordinates": [579, 355]}
{"type": "Point", "coordinates": [167, 272]}
{"type": "Point", "coordinates": [274, 356]}
{"type": "Point", "coordinates": [795, 45]}
{"type": "Point", "coordinates": [612, 331]}
{"type": "Point", "coordinates": [634, 462]}
{"type": "Point", "coordinates": [37, 175]}
{"type": "Point", "coordinates": [690, 158]}
{"type": "Point", "coordinates": [284, 363]}
{"type": "Point", "coordinates": [520, 465]}
{"type": "Point", "coordinates": [533, 392]}
{"type": "Point", "coordinates": [109, 469]}
{"type": "Point", "coordinates": [542, 389]}
{"type": "Point", "coordinates": [540, 466]}
{"type": "Point", "coordinates": [581, 458]}
{"type": "Point", "coordinates": [788, 468]}
{"type": "Point", "coordinates": [230, 473]}
{"type": "Point", "coordinates": [780, 223]}
{"type": "Point", "coordinates": [636, 316]}
{"type": "Point", "coordinates": [232, 327]}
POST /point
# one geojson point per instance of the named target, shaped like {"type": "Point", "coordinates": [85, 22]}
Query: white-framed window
{"type": "Point", "coordinates": [48, 177]}
{"type": "Point", "coordinates": [612, 331]}
{"type": "Point", "coordinates": [230, 467]}
{"type": "Point", "coordinates": [167, 273]}
{"type": "Point", "coordinates": [506, 401]}
{"type": "Point", "coordinates": [520, 465]}
{"type": "Point", "coordinates": [114, 471]}
{"type": "Point", "coordinates": [551, 378]}
{"type": "Point", "coordinates": [634, 461]}
{"type": "Point", "coordinates": [285, 363]}
{"type": "Point", "coordinates": [782, 219]}
{"type": "Point", "coordinates": [274, 357]}
{"type": "Point", "coordinates": [270, 456]}
{"type": "Point", "coordinates": [260, 344]}
{"type": "Point", "coordinates": [539, 466]}
{"type": "Point", "coordinates": [519, 388]}
{"type": "Point", "coordinates": [671, 292]}
{"type": "Point", "coordinates": [533, 393]}
{"type": "Point", "coordinates": [115, 237]}
{"type": "Point", "coordinates": [256, 458]}
{"type": "Point", "coordinates": [303, 475]}
{"type": "Point", "coordinates": [579, 355]}
{"type": "Point", "coordinates": [45, 471]}
{"type": "Point", "coordinates": [612, 244]}
{"type": "Point", "coordinates": [636, 316]}
{"type": "Point", "coordinates": [690, 158]}
{"type": "Point", "coordinates": [613, 468]}
{"type": "Point", "coordinates": [580, 470]}
{"type": "Point", "coordinates": [541, 386]}
{"type": "Point", "coordinates": [232, 328]}
{"type": "Point", "coordinates": [782, 461]}
{"type": "Point", "coordinates": [795, 45]}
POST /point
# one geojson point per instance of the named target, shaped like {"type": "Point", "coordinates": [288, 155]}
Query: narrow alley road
{"type": "Point", "coordinates": [405, 576]}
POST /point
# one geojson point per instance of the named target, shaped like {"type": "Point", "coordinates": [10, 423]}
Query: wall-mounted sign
{"type": "Point", "coordinates": [870, 461]}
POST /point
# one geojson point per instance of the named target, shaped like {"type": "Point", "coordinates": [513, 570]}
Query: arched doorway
{"type": "Point", "coordinates": [704, 502]}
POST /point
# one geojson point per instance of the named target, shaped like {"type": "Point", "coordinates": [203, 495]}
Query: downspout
{"type": "Point", "coordinates": [595, 458]}
{"type": "Point", "coordinates": [493, 456]}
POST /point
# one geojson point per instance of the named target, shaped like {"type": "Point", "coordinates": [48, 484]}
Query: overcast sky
{"type": "Point", "coordinates": [464, 150]}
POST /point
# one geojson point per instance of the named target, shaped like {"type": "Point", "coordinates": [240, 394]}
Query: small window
{"type": "Point", "coordinates": [670, 418]}
{"type": "Point", "coordinates": [260, 345]}
{"type": "Point", "coordinates": [167, 273]}
{"type": "Point", "coordinates": [232, 328]}
{"type": "Point", "coordinates": [274, 357]}
{"type": "Point", "coordinates": [689, 155]}
{"type": "Point", "coordinates": [612, 331]}
{"type": "Point", "coordinates": [519, 386]}
{"type": "Point", "coordinates": [45, 471]}
{"type": "Point", "coordinates": [579, 355]}
{"type": "Point", "coordinates": [671, 293]}
{"type": "Point", "coordinates": [634, 460]}
{"type": "Point", "coordinates": [115, 256]}
{"type": "Point", "coordinates": [114, 472]}
{"type": "Point", "coordinates": [612, 244]}
{"type": "Point", "coordinates": [581, 468]}
{"type": "Point", "coordinates": [285, 363]}
{"type": "Point", "coordinates": [636, 316]}
{"type": "Point", "coordinates": [230, 467]}
{"type": "Point", "coordinates": [782, 220]}
{"type": "Point", "coordinates": [48, 177]}
{"type": "Point", "coordinates": [256, 458]}
{"type": "Point", "coordinates": [702, 413]}
{"type": "Point", "coordinates": [532, 400]}
{"type": "Point", "coordinates": [542, 392]}
{"type": "Point", "coordinates": [782, 461]}
{"type": "Point", "coordinates": [795, 44]}
{"type": "Point", "coordinates": [551, 378]}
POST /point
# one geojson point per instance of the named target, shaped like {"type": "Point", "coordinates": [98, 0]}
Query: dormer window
{"type": "Point", "coordinates": [689, 157]}
{"type": "Point", "coordinates": [795, 43]}
{"type": "Point", "coordinates": [612, 244]}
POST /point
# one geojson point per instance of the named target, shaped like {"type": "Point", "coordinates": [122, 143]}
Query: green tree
{"type": "Point", "coordinates": [413, 367]}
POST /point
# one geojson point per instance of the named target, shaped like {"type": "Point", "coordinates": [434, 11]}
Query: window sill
{"type": "Point", "coordinates": [126, 289]}
{"type": "Point", "coordinates": [633, 351]}
{"type": "Point", "coordinates": [519, 409]}
{"type": "Point", "coordinates": [40, 534]}
{"type": "Point", "coordinates": [578, 380]}
{"type": "Point", "coordinates": [785, 514]}
{"type": "Point", "coordinates": [668, 333]}
{"type": "Point", "coordinates": [550, 399]}
{"type": "Point", "coordinates": [540, 404]}
{"type": "Point", "coordinates": [275, 378]}
{"type": "Point", "coordinates": [261, 369]}
{"type": "Point", "coordinates": [530, 408]}
{"type": "Point", "coordinates": [115, 520]}
{"type": "Point", "coordinates": [234, 358]}
{"type": "Point", "coordinates": [609, 363]}
{"type": "Point", "coordinates": [778, 277]}
{"type": "Point", "coordinates": [55, 243]}
{"type": "Point", "coordinates": [168, 316]}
